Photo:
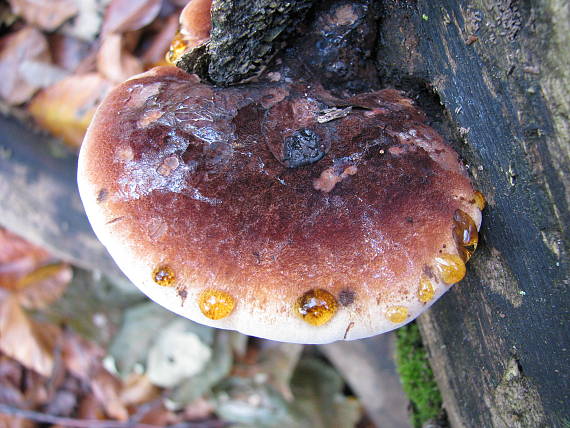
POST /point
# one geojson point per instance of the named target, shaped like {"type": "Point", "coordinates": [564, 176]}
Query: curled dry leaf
{"type": "Point", "coordinates": [47, 15]}
{"type": "Point", "coordinates": [66, 108]}
{"type": "Point", "coordinates": [25, 340]}
{"type": "Point", "coordinates": [17, 258]}
{"type": "Point", "coordinates": [43, 286]}
{"type": "Point", "coordinates": [155, 53]}
{"type": "Point", "coordinates": [67, 52]}
{"type": "Point", "coordinates": [84, 359]}
{"type": "Point", "coordinates": [16, 50]}
{"type": "Point", "coordinates": [129, 15]}
{"type": "Point", "coordinates": [114, 62]}
{"type": "Point", "coordinates": [137, 390]}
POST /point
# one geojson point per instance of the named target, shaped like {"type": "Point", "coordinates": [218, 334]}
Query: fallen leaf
{"type": "Point", "coordinates": [17, 49]}
{"type": "Point", "coordinates": [66, 108]}
{"type": "Point", "coordinates": [18, 257]}
{"type": "Point", "coordinates": [47, 15]}
{"type": "Point", "coordinates": [129, 15]}
{"type": "Point", "coordinates": [43, 286]}
{"type": "Point", "coordinates": [137, 390]}
{"type": "Point", "coordinates": [114, 62]}
{"type": "Point", "coordinates": [7, 421]}
{"type": "Point", "coordinates": [84, 359]}
{"type": "Point", "coordinates": [30, 343]}
{"type": "Point", "coordinates": [67, 52]}
{"type": "Point", "coordinates": [159, 45]}
{"type": "Point", "coordinates": [90, 408]}
{"type": "Point", "coordinates": [81, 357]}
{"type": "Point", "coordinates": [106, 388]}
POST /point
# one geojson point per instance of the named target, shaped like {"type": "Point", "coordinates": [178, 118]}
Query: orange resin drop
{"type": "Point", "coordinates": [216, 304]}
{"type": "Point", "coordinates": [479, 200]}
{"type": "Point", "coordinates": [465, 234]}
{"type": "Point", "coordinates": [177, 48]}
{"type": "Point", "coordinates": [316, 307]}
{"type": "Point", "coordinates": [397, 314]}
{"type": "Point", "coordinates": [451, 268]}
{"type": "Point", "coordinates": [163, 275]}
{"type": "Point", "coordinates": [425, 290]}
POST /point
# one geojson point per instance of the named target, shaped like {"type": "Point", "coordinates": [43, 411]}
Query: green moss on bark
{"type": "Point", "coordinates": [416, 375]}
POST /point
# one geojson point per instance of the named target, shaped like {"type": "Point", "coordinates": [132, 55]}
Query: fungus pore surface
{"type": "Point", "coordinates": [258, 208]}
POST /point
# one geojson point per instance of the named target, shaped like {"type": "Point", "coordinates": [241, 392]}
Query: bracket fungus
{"type": "Point", "coordinates": [244, 208]}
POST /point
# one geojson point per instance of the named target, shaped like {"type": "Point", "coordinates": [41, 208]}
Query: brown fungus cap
{"type": "Point", "coordinates": [276, 209]}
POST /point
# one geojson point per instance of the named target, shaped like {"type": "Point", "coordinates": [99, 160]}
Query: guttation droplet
{"type": "Point", "coordinates": [465, 234]}
{"type": "Point", "coordinates": [163, 275]}
{"type": "Point", "coordinates": [397, 314]}
{"type": "Point", "coordinates": [425, 290]}
{"type": "Point", "coordinates": [216, 304]}
{"type": "Point", "coordinates": [316, 307]}
{"type": "Point", "coordinates": [479, 200]}
{"type": "Point", "coordinates": [451, 268]}
{"type": "Point", "coordinates": [177, 48]}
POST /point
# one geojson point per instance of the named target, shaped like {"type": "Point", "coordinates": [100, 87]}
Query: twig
{"type": "Point", "coordinates": [88, 423]}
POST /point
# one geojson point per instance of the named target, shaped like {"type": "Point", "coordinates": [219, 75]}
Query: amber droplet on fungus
{"type": "Point", "coordinates": [465, 234]}
{"type": "Point", "coordinates": [163, 275]}
{"type": "Point", "coordinates": [216, 304]}
{"type": "Point", "coordinates": [479, 200]}
{"type": "Point", "coordinates": [177, 48]}
{"type": "Point", "coordinates": [425, 290]}
{"type": "Point", "coordinates": [397, 314]}
{"type": "Point", "coordinates": [316, 307]}
{"type": "Point", "coordinates": [451, 268]}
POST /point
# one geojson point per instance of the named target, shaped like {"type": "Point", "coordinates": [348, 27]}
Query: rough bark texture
{"type": "Point", "coordinates": [499, 341]}
{"type": "Point", "coordinates": [245, 35]}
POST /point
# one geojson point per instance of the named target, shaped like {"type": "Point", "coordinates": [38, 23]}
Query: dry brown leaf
{"type": "Point", "coordinates": [67, 52]}
{"type": "Point", "coordinates": [156, 51]}
{"type": "Point", "coordinates": [114, 62]}
{"type": "Point", "coordinates": [43, 286]}
{"type": "Point", "coordinates": [7, 421]}
{"type": "Point", "coordinates": [21, 47]}
{"type": "Point", "coordinates": [80, 356]}
{"type": "Point", "coordinates": [160, 416]}
{"type": "Point", "coordinates": [106, 388]}
{"type": "Point", "coordinates": [18, 258]}
{"type": "Point", "coordinates": [138, 390]}
{"type": "Point", "coordinates": [30, 343]}
{"type": "Point", "coordinates": [47, 15]}
{"type": "Point", "coordinates": [129, 15]}
{"type": "Point", "coordinates": [90, 408]}
{"type": "Point", "coordinates": [66, 108]}
{"type": "Point", "coordinates": [84, 359]}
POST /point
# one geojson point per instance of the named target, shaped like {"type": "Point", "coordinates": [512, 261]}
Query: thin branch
{"type": "Point", "coordinates": [90, 423]}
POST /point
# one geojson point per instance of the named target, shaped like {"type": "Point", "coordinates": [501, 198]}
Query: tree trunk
{"type": "Point", "coordinates": [499, 340]}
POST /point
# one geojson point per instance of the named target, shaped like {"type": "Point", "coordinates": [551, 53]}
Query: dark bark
{"type": "Point", "coordinates": [499, 340]}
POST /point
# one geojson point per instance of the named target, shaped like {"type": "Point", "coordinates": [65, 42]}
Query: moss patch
{"type": "Point", "coordinates": [416, 375]}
